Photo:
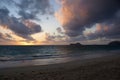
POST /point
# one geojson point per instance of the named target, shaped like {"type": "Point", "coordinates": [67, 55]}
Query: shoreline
{"type": "Point", "coordinates": [53, 61]}
{"type": "Point", "coordinates": [47, 71]}
{"type": "Point", "coordinates": [67, 65]}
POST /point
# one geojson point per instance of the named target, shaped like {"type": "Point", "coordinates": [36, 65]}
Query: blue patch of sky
{"type": "Point", "coordinates": [55, 5]}
{"type": "Point", "coordinates": [48, 22]}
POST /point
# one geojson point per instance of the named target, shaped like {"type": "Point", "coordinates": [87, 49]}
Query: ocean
{"type": "Point", "coordinates": [12, 56]}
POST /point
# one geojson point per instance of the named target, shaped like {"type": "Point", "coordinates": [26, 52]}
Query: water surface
{"type": "Point", "coordinates": [12, 56]}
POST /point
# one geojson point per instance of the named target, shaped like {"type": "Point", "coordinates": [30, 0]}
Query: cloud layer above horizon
{"type": "Point", "coordinates": [76, 16]}
{"type": "Point", "coordinates": [80, 20]}
{"type": "Point", "coordinates": [23, 25]}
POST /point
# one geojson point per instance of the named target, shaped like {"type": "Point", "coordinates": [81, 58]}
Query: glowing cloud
{"type": "Point", "coordinates": [76, 15]}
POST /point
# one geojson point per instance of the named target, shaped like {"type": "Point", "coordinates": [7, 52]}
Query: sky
{"type": "Point", "coordinates": [59, 22]}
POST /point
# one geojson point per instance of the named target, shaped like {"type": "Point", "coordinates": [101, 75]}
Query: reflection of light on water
{"type": "Point", "coordinates": [34, 62]}
{"type": "Point", "coordinates": [50, 61]}
{"type": "Point", "coordinates": [62, 59]}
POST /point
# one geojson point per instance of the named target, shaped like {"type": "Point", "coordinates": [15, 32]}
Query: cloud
{"type": "Point", "coordinates": [29, 9]}
{"type": "Point", "coordinates": [18, 16]}
{"type": "Point", "coordinates": [21, 28]}
{"type": "Point", "coordinates": [77, 15]}
{"type": "Point", "coordinates": [59, 30]}
{"type": "Point", "coordinates": [5, 37]}
{"type": "Point", "coordinates": [36, 6]}
{"type": "Point", "coordinates": [8, 36]}
{"type": "Point", "coordinates": [26, 15]}
{"type": "Point", "coordinates": [1, 36]}
{"type": "Point", "coordinates": [109, 30]}
{"type": "Point", "coordinates": [55, 38]}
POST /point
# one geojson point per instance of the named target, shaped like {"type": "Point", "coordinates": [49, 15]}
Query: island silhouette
{"type": "Point", "coordinates": [112, 43]}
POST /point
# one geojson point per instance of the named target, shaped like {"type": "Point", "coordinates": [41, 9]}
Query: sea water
{"type": "Point", "coordinates": [12, 56]}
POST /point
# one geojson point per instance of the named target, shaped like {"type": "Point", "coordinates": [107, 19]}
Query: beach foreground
{"type": "Point", "coordinates": [105, 68]}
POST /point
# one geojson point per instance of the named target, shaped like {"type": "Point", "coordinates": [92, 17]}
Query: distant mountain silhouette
{"type": "Point", "coordinates": [115, 43]}
{"type": "Point", "coordinates": [76, 44]}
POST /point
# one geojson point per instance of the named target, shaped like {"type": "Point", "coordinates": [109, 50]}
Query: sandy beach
{"type": "Point", "coordinates": [103, 68]}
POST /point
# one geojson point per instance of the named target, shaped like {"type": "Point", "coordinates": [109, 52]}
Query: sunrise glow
{"type": "Point", "coordinates": [58, 22]}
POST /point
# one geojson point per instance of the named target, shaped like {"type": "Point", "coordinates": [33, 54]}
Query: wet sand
{"type": "Point", "coordinates": [103, 68]}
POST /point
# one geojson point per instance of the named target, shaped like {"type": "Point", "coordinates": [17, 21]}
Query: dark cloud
{"type": "Point", "coordinates": [59, 30]}
{"type": "Point", "coordinates": [5, 37]}
{"type": "Point", "coordinates": [60, 36]}
{"type": "Point", "coordinates": [21, 28]}
{"type": "Point", "coordinates": [36, 6]}
{"type": "Point", "coordinates": [4, 13]}
{"type": "Point", "coordinates": [109, 30]}
{"type": "Point", "coordinates": [1, 36]}
{"type": "Point", "coordinates": [75, 39]}
{"type": "Point", "coordinates": [26, 15]}
{"type": "Point", "coordinates": [53, 37]}
{"type": "Point", "coordinates": [49, 37]}
{"type": "Point", "coordinates": [62, 39]}
{"type": "Point", "coordinates": [29, 9]}
{"type": "Point", "coordinates": [76, 15]}
{"type": "Point", "coordinates": [8, 36]}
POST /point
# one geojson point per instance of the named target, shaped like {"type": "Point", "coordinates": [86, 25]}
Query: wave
{"type": "Point", "coordinates": [26, 57]}
{"type": "Point", "coordinates": [17, 53]}
{"type": "Point", "coordinates": [48, 56]}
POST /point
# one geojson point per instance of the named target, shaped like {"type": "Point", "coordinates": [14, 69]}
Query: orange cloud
{"type": "Point", "coordinates": [64, 15]}
{"type": "Point", "coordinates": [76, 15]}
{"type": "Point", "coordinates": [68, 11]}
{"type": "Point", "coordinates": [106, 28]}
{"type": "Point", "coordinates": [98, 27]}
